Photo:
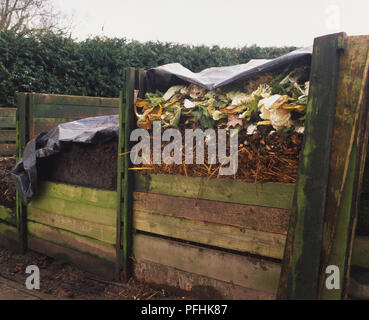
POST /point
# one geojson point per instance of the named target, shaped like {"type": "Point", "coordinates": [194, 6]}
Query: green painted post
{"type": "Point", "coordinates": [301, 264]}
{"type": "Point", "coordinates": [323, 221]}
{"type": "Point", "coordinates": [21, 128]}
{"type": "Point", "coordinates": [124, 185]}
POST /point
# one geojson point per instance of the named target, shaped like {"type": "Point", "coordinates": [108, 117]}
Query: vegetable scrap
{"type": "Point", "coordinates": [279, 104]}
{"type": "Point", "coordinates": [268, 113]}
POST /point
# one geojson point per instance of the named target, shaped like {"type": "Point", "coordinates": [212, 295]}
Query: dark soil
{"type": "Point", "coordinates": [65, 281]}
{"type": "Point", "coordinates": [89, 165]}
{"type": "Point", "coordinates": [7, 187]}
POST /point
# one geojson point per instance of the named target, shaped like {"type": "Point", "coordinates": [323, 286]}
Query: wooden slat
{"type": "Point", "coordinates": [360, 255]}
{"type": "Point", "coordinates": [8, 135]}
{"type": "Point", "coordinates": [85, 261]}
{"type": "Point", "coordinates": [8, 112]}
{"type": "Point", "coordinates": [7, 122]}
{"type": "Point", "coordinates": [244, 271]}
{"type": "Point", "coordinates": [243, 216]}
{"type": "Point", "coordinates": [216, 235]}
{"type": "Point", "coordinates": [96, 197]}
{"type": "Point", "coordinates": [8, 149]}
{"type": "Point", "coordinates": [275, 195]}
{"type": "Point", "coordinates": [199, 287]}
{"type": "Point", "coordinates": [301, 264]}
{"type": "Point", "coordinates": [7, 216]}
{"type": "Point", "coordinates": [82, 211]}
{"type": "Point", "coordinates": [8, 231]}
{"type": "Point", "coordinates": [72, 111]}
{"type": "Point", "coordinates": [76, 100]}
{"type": "Point", "coordinates": [81, 227]}
{"type": "Point", "coordinates": [72, 241]}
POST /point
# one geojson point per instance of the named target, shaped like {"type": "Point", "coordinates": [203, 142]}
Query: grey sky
{"type": "Point", "coordinates": [231, 23]}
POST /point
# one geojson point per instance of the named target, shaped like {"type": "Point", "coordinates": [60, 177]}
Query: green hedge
{"type": "Point", "coordinates": [53, 63]}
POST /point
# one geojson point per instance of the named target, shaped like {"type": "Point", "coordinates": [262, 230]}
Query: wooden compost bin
{"type": "Point", "coordinates": [66, 222]}
{"type": "Point", "coordinates": [219, 238]}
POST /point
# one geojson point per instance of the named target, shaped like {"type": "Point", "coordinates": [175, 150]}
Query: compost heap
{"type": "Point", "coordinates": [268, 112]}
{"type": "Point", "coordinates": [7, 187]}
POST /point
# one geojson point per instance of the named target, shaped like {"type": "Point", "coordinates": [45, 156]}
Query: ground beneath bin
{"type": "Point", "coordinates": [63, 281]}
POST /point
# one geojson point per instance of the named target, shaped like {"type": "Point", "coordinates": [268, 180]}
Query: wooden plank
{"type": "Point", "coordinates": [199, 287]}
{"type": "Point", "coordinates": [301, 264]}
{"type": "Point", "coordinates": [96, 197]}
{"type": "Point", "coordinates": [7, 122]}
{"type": "Point", "coordinates": [82, 211]}
{"type": "Point", "coordinates": [7, 215]}
{"type": "Point", "coordinates": [85, 261]}
{"type": "Point", "coordinates": [8, 135]}
{"type": "Point", "coordinates": [248, 272]}
{"type": "Point", "coordinates": [22, 136]}
{"type": "Point", "coordinates": [8, 149]}
{"type": "Point", "coordinates": [76, 100]}
{"type": "Point", "coordinates": [360, 256]}
{"type": "Point", "coordinates": [349, 150]}
{"type": "Point", "coordinates": [238, 239]}
{"type": "Point", "coordinates": [125, 181]}
{"type": "Point", "coordinates": [119, 216]}
{"type": "Point", "coordinates": [81, 227]}
{"type": "Point", "coordinates": [275, 195]}
{"type": "Point", "coordinates": [72, 111]}
{"type": "Point", "coordinates": [8, 231]}
{"type": "Point", "coordinates": [72, 241]}
{"type": "Point", "coordinates": [243, 216]}
{"type": "Point", "coordinates": [8, 112]}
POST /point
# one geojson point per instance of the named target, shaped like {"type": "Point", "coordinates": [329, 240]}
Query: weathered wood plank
{"type": "Point", "coordinates": [72, 111]}
{"type": "Point", "coordinates": [119, 194]}
{"type": "Point", "coordinates": [7, 216]}
{"type": "Point", "coordinates": [360, 255]}
{"type": "Point", "coordinates": [72, 241]}
{"type": "Point", "coordinates": [82, 211]}
{"type": "Point", "coordinates": [8, 135]}
{"type": "Point", "coordinates": [96, 197]}
{"type": "Point", "coordinates": [8, 112]}
{"type": "Point", "coordinates": [125, 179]}
{"type": "Point", "coordinates": [244, 271]}
{"type": "Point", "coordinates": [301, 264]}
{"type": "Point", "coordinates": [22, 137]}
{"type": "Point", "coordinates": [85, 261]}
{"type": "Point", "coordinates": [238, 239]}
{"type": "Point", "coordinates": [200, 287]}
{"type": "Point", "coordinates": [347, 163]}
{"type": "Point", "coordinates": [8, 231]}
{"type": "Point", "coordinates": [81, 227]}
{"type": "Point", "coordinates": [275, 195]}
{"type": "Point", "coordinates": [76, 100]}
{"type": "Point", "coordinates": [243, 216]}
{"type": "Point", "coordinates": [8, 149]}
{"type": "Point", "coordinates": [7, 122]}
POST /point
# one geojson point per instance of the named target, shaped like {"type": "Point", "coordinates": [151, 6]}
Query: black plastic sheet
{"type": "Point", "coordinates": [174, 73]}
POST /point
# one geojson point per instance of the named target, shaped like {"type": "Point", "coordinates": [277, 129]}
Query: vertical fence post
{"type": "Point", "coordinates": [21, 128]}
{"type": "Point", "coordinates": [323, 221]}
{"type": "Point", "coordinates": [124, 182]}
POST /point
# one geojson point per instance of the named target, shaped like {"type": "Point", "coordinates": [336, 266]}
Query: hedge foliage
{"type": "Point", "coordinates": [47, 62]}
